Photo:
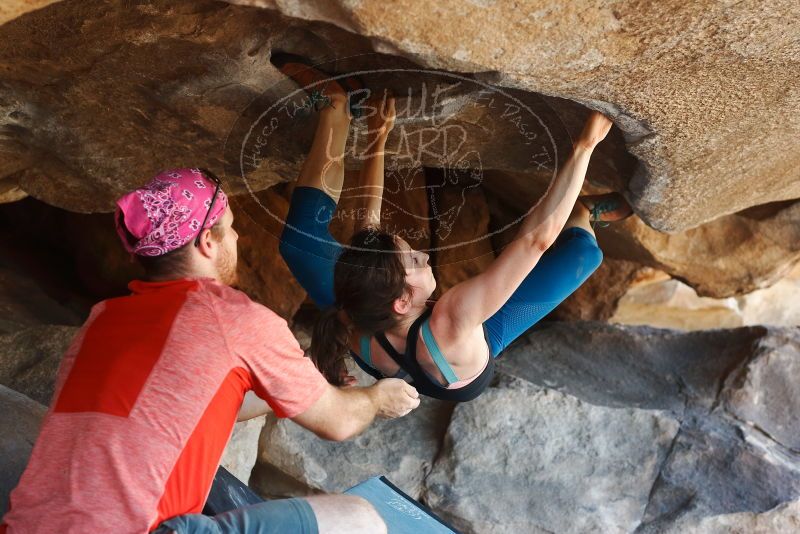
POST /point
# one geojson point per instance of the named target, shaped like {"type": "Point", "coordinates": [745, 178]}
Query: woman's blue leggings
{"type": "Point", "coordinates": [311, 253]}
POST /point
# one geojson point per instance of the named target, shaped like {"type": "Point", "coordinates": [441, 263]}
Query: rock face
{"type": "Point", "coordinates": [29, 359]}
{"type": "Point", "coordinates": [520, 456]}
{"type": "Point", "coordinates": [764, 392]}
{"type": "Point", "coordinates": [403, 449]}
{"type": "Point", "coordinates": [588, 428]}
{"type": "Point", "coordinates": [20, 418]}
{"type": "Point", "coordinates": [729, 256]}
{"type": "Point", "coordinates": [685, 153]}
{"type": "Point", "coordinates": [672, 304]}
{"type": "Point", "coordinates": [670, 74]}
{"type": "Point", "coordinates": [783, 518]}
{"type": "Point", "coordinates": [241, 452]}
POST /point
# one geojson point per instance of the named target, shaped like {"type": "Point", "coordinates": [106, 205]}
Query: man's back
{"type": "Point", "coordinates": [145, 402]}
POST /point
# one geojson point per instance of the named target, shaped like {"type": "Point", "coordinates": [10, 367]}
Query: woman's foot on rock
{"type": "Point", "coordinates": [608, 207]}
{"type": "Point", "coordinates": [322, 87]}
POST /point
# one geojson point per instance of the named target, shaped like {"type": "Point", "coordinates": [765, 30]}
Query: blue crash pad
{"type": "Point", "coordinates": [401, 513]}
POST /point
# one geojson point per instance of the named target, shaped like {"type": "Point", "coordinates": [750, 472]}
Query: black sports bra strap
{"type": "Point", "coordinates": [390, 350]}
{"type": "Point", "coordinates": [407, 361]}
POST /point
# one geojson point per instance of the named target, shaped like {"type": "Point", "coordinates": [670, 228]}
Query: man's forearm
{"type": "Point", "coordinates": [360, 407]}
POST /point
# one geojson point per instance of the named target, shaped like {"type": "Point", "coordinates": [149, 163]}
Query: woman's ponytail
{"type": "Point", "coordinates": [330, 342]}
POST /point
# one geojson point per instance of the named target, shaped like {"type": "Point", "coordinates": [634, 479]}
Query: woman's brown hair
{"type": "Point", "coordinates": [368, 277]}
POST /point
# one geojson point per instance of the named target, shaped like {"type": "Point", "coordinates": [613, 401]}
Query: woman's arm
{"type": "Point", "coordinates": [379, 124]}
{"type": "Point", "coordinates": [473, 301]}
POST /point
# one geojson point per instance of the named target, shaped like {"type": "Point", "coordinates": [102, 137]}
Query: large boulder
{"type": "Point", "coordinates": [29, 359]}
{"type": "Point", "coordinates": [631, 366]}
{"type": "Point", "coordinates": [241, 453]}
{"type": "Point", "coordinates": [512, 108]}
{"type": "Point", "coordinates": [782, 518]}
{"type": "Point", "coordinates": [20, 418]}
{"type": "Point", "coordinates": [716, 467]}
{"type": "Point", "coordinates": [525, 459]}
{"type": "Point", "coordinates": [588, 427]}
{"type": "Point", "coordinates": [765, 392]}
{"type": "Point", "coordinates": [730, 255]}
{"type": "Point", "coordinates": [669, 303]}
{"type": "Point", "coordinates": [293, 461]}
{"type": "Point", "coordinates": [704, 128]}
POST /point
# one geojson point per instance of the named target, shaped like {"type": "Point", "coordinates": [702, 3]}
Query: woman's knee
{"type": "Point", "coordinates": [591, 254]}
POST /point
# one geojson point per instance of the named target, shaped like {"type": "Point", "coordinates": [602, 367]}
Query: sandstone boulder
{"type": "Point", "coordinates": [782, 518]}
{"type": "Point", "coordinates": [20, 418]}
{"type": "Point", "coordinates": [667, 156]}
{"type": "Point", "coordinates": [29, 359]}
{"type": "Point", "coordinates": [765, 392]}
{"type": "Point", "coordinates": [631, 366]}
{"type": "Point", "coordinates": [293, 461]}
{"type": "Point", "coordinates": [520, 458]}
{"type": "Point", "coordinates": [241, 453]}
{"type": "Point", "coordinates": [714, 468]}
{"type": "Point", "coordinates": [671, 76]}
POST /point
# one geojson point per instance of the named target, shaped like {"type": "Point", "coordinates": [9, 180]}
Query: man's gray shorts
{"type": "Point", "coordinates": [285, 516]}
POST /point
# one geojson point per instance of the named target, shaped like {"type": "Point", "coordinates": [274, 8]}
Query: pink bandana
{"type": "Point", "coordinates": [166, 213]}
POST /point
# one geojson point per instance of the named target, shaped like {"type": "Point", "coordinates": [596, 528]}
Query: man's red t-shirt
{"type": "Point", "coordinates": [145, 402]}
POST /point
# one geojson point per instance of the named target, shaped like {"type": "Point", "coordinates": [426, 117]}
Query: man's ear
{"type": "Point", "coordinates": [206, 243]}
{"type": "Point", "coordinates": [403, 304]}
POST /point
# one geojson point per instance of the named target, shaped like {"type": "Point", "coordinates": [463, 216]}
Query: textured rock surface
{"type": "Point", "coordinates": [262, 273]}
{"type": "Point", "coordinates": [29, 359]}
{"type": "Point", "coordinates": [589, 427]}
{"type": "Point", "coordinates": [241, 452]}
{"type": "Point", "coordinates": [402, 449]}
{"type": "Point", "coordinates": [705, 127]}
{"type": "Point", "coordinates": [519, 457]}
{"type": "Point", "coordinates": [719, 462]}
{"type": "Point", "coordinates": [766, 392]}
{"type": "Point", "coordinates": [717, 468]}
{"type": "Point", "coordinates": [731, 255]}
{"type": "Point", "coordinates": [20, 418]}
{"type": "Point", "coordinates": [11, 9]}
{"type": "Point", "coordinates": [783, 518]}
{"type": "Point", "coordinates": [462, 246]}
{"type": "Point", "coordinates": [701, 143]}
{"type": "Point", "coordinates": [23, 303]}
{"type": "Point", "coordinates": [630, 366]}
{"type": "Point", "coordinates": [671, 304]}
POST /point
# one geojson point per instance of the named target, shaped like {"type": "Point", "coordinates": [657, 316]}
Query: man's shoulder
{"type": "Point", "coordinates": [233, 303]}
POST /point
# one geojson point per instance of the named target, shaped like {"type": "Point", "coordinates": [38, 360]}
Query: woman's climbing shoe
{"type": "Point", "coordinates": [607, 208]}
{"type": "Point", "coordinates": [323, 90]}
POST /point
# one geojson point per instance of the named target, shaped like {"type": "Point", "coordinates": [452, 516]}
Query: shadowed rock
{"type": "Point", "coordinates": [20, 418]}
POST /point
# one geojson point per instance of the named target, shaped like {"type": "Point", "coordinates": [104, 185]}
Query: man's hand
{"type": "Point", "coordinates": [394, 397]}
{"type": "Point", "coordinates": [595, 130]}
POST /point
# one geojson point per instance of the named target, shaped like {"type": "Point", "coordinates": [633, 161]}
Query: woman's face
{"type": "Point", "coordinates": [419, 274]}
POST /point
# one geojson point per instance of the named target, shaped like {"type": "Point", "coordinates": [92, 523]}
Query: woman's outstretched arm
{"type": "Point", "coordinates": [371, 178]}
{"type": "Point", "coordinates": [470, 303]}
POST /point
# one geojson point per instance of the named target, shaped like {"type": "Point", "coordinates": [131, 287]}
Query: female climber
{"type": "Point", "coordinates": [374, 294]}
